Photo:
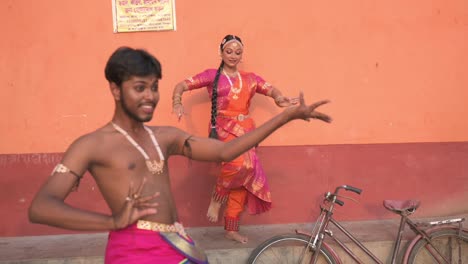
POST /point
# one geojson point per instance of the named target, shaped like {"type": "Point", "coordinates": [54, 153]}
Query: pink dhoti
{"type": "Point", "coordinates": [137, 245]}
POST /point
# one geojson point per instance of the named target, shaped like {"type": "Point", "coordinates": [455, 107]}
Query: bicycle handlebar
{"type": "Point", "coordinates": [339, 202]}
{"type": "Point", "coordinates": [353, 189]}
{"type": "Point", "coordinates": [334, 197]}
{"type": "Point", "coordinates": [348, 188]}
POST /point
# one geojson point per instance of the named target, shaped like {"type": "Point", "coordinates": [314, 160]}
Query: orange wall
{"type": "Point", "coordinates": [394, 70]}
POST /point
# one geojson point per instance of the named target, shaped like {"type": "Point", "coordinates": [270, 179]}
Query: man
{"type": "Point", "coordinates": [128, 161]}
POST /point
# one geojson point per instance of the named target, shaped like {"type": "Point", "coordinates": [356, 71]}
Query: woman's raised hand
{"type": "Point", "coordinates": [178, 110]}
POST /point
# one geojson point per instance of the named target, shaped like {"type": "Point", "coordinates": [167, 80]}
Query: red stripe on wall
{"type": "Point", "coordinates": [435, 173]}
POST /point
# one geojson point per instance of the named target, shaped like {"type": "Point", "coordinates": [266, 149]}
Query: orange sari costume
{"type": "Point", "coordinates": [242, 181]}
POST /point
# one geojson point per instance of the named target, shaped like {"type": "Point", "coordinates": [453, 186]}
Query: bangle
{"type": "Point", "coordinates": [277, 98]}
{"type": "Point", "coordinates": [176, 99]}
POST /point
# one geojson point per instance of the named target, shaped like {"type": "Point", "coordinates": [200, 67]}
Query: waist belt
{"type": "Point", "coordinates": [158, 227]}
{"type": "Point", "coordinates": [176, 237]}
{"type": "Point", "coordinates": [240, 117]}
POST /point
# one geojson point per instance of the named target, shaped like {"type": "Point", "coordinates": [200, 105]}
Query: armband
{"type": "Point", "coordinates": [60, 168]}
{"type": "Point", "coordinates": [188, 146]}
{"type": "Point", "coordinates": [266, 89]}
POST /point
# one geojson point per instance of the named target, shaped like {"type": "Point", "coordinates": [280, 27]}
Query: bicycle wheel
{"type": "Point", "coordinates": [293, 248]}
{"type": "Point", "coordinates": [452, 248]}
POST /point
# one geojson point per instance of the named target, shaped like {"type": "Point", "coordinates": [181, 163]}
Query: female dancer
{"type": "Point", "coordinates": [242, 181]}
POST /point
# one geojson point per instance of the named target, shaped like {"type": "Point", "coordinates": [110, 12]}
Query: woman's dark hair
{"type": "Point", "coordinates": [126, 62]}
{"type": "Point", "coordinates": [214, 96]}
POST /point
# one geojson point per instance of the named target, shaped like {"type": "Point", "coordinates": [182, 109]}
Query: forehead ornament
{"type": "Point", "coordinates": [236, 41]}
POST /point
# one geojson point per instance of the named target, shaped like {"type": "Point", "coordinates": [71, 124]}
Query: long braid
{"type": "Point", "coordinates": [214, 96]}
{"type": "Point", "coordinates": [214, 103]}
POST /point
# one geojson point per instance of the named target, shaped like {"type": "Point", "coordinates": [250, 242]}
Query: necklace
{"type": "Point", "coordinates": [235, 91]}
{"type": "Point", "coordinates": [155, 167]}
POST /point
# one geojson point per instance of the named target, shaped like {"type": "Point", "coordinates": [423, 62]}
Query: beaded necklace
{"type": "Point", "coordinates": [235, 91]}
{"type": "Point", "coordinates": [155, 167]}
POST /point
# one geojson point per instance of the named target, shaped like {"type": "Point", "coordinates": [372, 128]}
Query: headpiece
{"type": "Point", "coordinates": [229, 39]}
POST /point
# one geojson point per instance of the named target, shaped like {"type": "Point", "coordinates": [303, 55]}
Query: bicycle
{"type": "Point", "coordinates": [443, 241]}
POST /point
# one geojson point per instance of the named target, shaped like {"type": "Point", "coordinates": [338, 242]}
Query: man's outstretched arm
{"type": "Point", "coordinates": [214, 150]}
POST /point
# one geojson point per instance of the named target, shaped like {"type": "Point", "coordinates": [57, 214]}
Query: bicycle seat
{"type": "Point", "coordinates": [406, 207]}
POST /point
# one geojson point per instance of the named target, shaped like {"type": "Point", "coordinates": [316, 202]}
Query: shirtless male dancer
{"type": "Point", "coordinates": [128, 161]}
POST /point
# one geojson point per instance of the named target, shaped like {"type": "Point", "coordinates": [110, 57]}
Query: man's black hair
{"type": "Point", "coordinates": [126, 62]}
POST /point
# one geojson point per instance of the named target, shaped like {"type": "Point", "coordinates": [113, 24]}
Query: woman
{"type": "Point", "coordinates": [242, 181]}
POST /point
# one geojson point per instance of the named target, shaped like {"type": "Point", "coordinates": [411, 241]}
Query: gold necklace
{"type": "Point", "coordinates": [155, 167]}
{"type": "Point", "coordinates": [235, 91]}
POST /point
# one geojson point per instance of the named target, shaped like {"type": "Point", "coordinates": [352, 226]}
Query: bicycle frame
{"type": "Point", "coordinates": [444, 241]}
{"type": "Point", "coordinates": [325, 219]}
{"type": "Point", "coordinates": [319, 237]}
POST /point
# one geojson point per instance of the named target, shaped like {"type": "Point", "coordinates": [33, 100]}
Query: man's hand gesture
{"type": "Point", "coordinates": [135, 207]}
{"type": "Point", "coordinates": [306, 112]}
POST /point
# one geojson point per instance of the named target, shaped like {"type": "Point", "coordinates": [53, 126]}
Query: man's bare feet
{"type": "Point", "coordinates": [234, 235]}
{"type": "Point", "coordinates": [213, 211]}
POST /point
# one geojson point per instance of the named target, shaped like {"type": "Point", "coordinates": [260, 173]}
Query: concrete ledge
{"type": "Point", "coordinates": [89, 248]}
{"type": "Point", "coordinates": [53, 249]}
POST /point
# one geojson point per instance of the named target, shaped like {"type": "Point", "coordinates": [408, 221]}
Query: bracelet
{"type": "Point", "coordinates": [176, 99]}
{"type": "Point", "coordinates": [277, 98]}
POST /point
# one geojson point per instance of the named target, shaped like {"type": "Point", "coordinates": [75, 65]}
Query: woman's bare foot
{"type": "Point", "coordinates": [213, 211]}
{"type": "Point", "coordinates": [234, 235]}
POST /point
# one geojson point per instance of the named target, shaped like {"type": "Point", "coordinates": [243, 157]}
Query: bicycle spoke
{"type": "Point", "coordinates": [292, 249]}
{"type": "Point", "coordinates": [288, 252]}
{"type": "Point", "coordinates": [445, 247]}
